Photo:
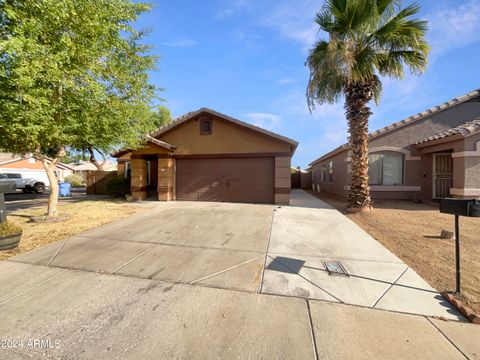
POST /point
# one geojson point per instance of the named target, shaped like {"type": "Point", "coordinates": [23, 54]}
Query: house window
{"type": "Point", "coordinates": [330, 172]}
{"type": "Point", "coordinates": [324, 174]}
{"type": "Point", "coordinates": [385, 169]}
{"type": "Point", "coordinates": [128, 169]}
{"type": "Point", "coordinates": [206, 126]}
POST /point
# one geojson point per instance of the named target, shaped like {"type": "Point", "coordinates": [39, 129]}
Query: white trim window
{"type": "Point", "coordinates": [386, 168]}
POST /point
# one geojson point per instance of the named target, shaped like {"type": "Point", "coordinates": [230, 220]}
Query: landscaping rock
{"type": "Point", "coordinates": [449, 235]}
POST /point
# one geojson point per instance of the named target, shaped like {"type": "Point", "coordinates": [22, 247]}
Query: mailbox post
{"type": "Point", "coordinates": [5, 187]}
{"type": "Point", "coordinates": [459, 207]}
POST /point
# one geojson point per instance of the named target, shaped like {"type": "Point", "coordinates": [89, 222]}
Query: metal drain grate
{"type": "Point", "coordinates": [335, 268]}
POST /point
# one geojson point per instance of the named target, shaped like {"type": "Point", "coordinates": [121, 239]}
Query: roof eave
{"type": "Point", "coordinates": [439, 141]}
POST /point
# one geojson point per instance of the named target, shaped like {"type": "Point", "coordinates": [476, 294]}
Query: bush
{"type": "Point", "coordinates": [8, 229]}
{"type": "Point", "coordinates": [75, 180]}
{"type": "Point", "coordinates": [118, 186]}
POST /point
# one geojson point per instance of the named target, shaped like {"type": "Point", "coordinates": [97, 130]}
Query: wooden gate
{"type": "Point", "coordinates": [442, 175]}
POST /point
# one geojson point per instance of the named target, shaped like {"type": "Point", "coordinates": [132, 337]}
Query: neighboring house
{"type": "Point", "coordinates": [30, 167]}
{"type": "Point", "coordinates": [209, 156]}
{"type": "Point", "coordinates": [83, 168]}
{"type": "Point", "coordinates": [431, 155]}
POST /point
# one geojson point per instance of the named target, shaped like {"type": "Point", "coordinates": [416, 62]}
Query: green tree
{"type": "Point", "coordinates": [162, 116]}
{"type": "Point", "coordinates": [73, 75]}
{"type": "Point", "coordinates": [367, 39]}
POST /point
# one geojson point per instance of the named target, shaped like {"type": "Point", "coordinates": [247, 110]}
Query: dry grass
{"type": "Point", "coordinates": [411, 231]}
{"type": "Point", "coordinates": [84, 215]}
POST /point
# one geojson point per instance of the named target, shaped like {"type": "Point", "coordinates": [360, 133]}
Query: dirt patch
{"type": "Point", "coordinates": [83, 216]}
{"type": "Point", "coordinates": [412, 232]}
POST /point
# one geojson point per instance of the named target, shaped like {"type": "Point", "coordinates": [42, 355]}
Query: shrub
{"type": "Point", "coordinates": [75, 180]}
{"type": "Point", "coordinates": [118, 186]}
{"type": "Point", "coordinates": [8, 229]}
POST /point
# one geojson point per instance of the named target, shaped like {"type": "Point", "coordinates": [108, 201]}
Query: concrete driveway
{"type": "Point", "coordinates": [218, 245]}
{"type": "Point", "coordinates": [310, 233]}
{"type": "Point", "coordinates": [190, 280]}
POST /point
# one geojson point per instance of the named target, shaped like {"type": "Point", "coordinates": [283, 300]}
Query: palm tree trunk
{"type": "Point", "coordinates": [357, 96]}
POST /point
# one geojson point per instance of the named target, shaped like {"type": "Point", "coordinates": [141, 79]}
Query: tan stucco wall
{"type": "Point", "coordinates": [139, 179]}
{"type": "Point", "coordinates": [150, 149]}
{"type": "Point", "coordinates": [166, 179]}
{"type": "Point", "coordinates": [340, 175]}
{"type": "Point", "coordinates": [282, 180]}
{"type": "Point", "coordinates": [226, 138]}
{"type": "Point", "coordinates": [469, 161]}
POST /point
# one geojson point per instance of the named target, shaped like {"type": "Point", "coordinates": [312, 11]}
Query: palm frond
{"type": "Point", "coordinates": [367, 38]}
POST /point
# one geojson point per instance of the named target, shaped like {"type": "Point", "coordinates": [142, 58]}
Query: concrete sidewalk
{"type": "Point", "coordinates": [72, 314]}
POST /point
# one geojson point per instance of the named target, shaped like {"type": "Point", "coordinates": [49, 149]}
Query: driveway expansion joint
{"type": "Point", "coordinates": [260, 288]}
{"type": "Point", "coordinates": [224, 270]}
{"type": "Point", "coordinates": [389, 287]}
{"type": "Point", "coordinates": [446, 337]}
{"type": "Point", "coordinates": [312, 330]}
{"type": "Point", "coordinates": [56, 252]}
{"type": "Point", "coordinates": [33, 287]}
{"type": "Point", "coordinates": [135, 257]}
{"type": "Point", "coordinates": [306, 279]}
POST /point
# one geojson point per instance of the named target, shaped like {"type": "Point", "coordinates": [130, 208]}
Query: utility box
{"type": "Point", "coordinates": [460, 207]}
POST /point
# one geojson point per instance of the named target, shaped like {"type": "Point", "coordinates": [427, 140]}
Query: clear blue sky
{"type": "Point", "coordinates": [246, 58]}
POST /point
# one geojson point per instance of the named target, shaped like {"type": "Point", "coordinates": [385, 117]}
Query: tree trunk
{"type": "Point", "coordinates": [50, 165]}
{"type": "Point", "coordinates": [53, 182]}
{"type": "Point", "coordinates": [93, 160]}
{"type": "Point", "coordinates": [357, 97]}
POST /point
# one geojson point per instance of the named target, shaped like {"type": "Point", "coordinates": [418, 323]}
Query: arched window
{"type": "Point", "coordinates": [386, 168]}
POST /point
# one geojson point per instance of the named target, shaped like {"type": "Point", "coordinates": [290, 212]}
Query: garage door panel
{"type": "Point", "coordinates": [230, 179]}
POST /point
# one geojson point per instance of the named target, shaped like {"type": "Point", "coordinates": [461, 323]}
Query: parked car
{"type": "Point", "coordinates": [27, 185]}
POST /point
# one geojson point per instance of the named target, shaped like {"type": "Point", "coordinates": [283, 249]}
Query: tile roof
{"type": "Point", "coordinates": [406, 121]}
{"type": "Point", "coordinates": [464, 129]}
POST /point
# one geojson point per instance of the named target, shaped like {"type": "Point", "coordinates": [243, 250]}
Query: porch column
{"type": "Point", "coordinates": [282, 180]}
{"type": "Point", "coordinates": [466, 166]}
{"type": "Point", "coordinates": [139, 179]}
{"type": "Point", "coordinates": [166, 179]}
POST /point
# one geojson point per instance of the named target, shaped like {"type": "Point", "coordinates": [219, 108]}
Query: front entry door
{"type": "Point", "coordinates": [442, 175]}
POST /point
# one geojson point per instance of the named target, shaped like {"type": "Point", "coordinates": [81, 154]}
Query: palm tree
{"type": "Point", "coordinates": [367, 39]}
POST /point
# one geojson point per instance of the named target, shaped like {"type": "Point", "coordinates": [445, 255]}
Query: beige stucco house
{"type": "Point", "coordinates": [209, 156]}
{"type": "Point", "coordinates": [430, 155]}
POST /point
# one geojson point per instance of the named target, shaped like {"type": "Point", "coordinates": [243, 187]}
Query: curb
{"type": "Point", "coordinates": [465, 310]}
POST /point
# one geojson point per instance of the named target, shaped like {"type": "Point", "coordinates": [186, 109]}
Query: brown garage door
{"type": "Point", "coordinates": [249, 180]}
